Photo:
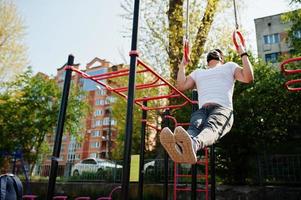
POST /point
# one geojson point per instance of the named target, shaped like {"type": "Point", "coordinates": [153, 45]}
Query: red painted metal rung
{"type": "Point", "coordinates": [142, 68]}
{"type": "Point", "coordinates": [189, 189]}
{"type": "Point", "coordinates": [150, 125]}
{"type": "Point", "coordinates": [290, 71]}
{"type": "Point", "coordinates": [176, 123]}
{"type": "Point", "coordinates": [205, 176]}
{"type": "Point", "coordinates": [291, 82]}
{"type": "Point", "coordinates": [286, 71]}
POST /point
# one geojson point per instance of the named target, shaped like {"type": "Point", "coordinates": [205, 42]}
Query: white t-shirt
{"type": "Point", "coordinates": [215, 85]}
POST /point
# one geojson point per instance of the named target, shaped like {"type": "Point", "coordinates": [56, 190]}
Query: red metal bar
{"type": "Point", "coordinates": [206, 173]}
{"type": "Point", "coordinates": [87, 76]}
{"type": "Point", "coordinates": [291, 82]}
{"type": "Point", "coordinates": [175, 121]}
{"type": "Point", "coordinates": [123, 72]}
{"type": "Point", "coordinates": [158, 97]}
{"type": "Point", "coordinates": [110, 73]}
{"type": "Point", "coordinates": [164, 107]}
{"type": "Point", "coordinates": [175, 181]}
{"type": "Point", "coordinates": [116, 75]}
{"type": "Point", "coordinates": [139, 87]}
{"type": "Point", "coordinates": [189, 189]}
{"type": "Point", "coordinates": [290, 71]}
{"type": "Point", "coordinates": [151, 125]}
{"type": "Point", "coordinates": [170, 85]}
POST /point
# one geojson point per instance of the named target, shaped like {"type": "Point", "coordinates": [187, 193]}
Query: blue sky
{"type": "Point", "coordinates": [90, 28]}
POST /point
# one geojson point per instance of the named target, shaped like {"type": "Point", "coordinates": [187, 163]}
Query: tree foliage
{"type": "Point", "coordinates": [266, 121]}
{"type": "Point", "coordinates": [12, 49]}
{"type": "Point", "coordinates": [162, 29]}
{"type": "Point", "coordinates": [119, 113]}
{"type": "Point", "coordinates": [295, 1]}
{"type": "Point", "coordinates": [294, 17]}
{"type": "Point", "coordinates": [29, 108]}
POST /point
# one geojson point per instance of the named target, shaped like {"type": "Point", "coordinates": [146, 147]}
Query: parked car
{"type": "Point", "coordinates": [93, 165]}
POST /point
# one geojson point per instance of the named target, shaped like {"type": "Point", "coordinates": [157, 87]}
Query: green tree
{"type": "Point", "coordinates": [29, 108]}
{"type": "Point", "coordinates": [163, 29]}
{"type": "Point", "coordinates": [119, 113]}
{"type": "Point", "coordinates": [294, 17]}
{"type": "Point", "coordinates": [266, 121]}
{"type": "Point", "coordinates": [12, 49]}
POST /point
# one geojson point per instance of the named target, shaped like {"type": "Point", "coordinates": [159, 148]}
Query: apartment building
{"type": "Point", "coordinates": [100, 130]}
{"type": "Point", "coordinates": [271, 36]}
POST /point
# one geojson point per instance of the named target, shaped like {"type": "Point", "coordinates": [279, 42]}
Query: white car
{"type": "Point", "coordinates": [93, 165]}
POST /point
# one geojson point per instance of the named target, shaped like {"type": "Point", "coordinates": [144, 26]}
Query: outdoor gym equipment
{"type": "Point", "coordinates": [155, 81]}
{"type": "Point", "coordinates": [288, 84]}
{"type": "Point", "coordinates": [237, 33]}
{"type": "Point", "coordinates": [130, 96]}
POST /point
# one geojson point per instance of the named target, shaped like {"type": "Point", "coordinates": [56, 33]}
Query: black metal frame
{"type": "Point", "coordinates": [59, 130]}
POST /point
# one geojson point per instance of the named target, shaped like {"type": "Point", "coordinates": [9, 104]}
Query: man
{"type": "Point", "coordinates": [215, 115]}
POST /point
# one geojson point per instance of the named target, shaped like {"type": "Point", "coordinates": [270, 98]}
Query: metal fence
{"type": "Point", "coordinates": [153, 172]}
{"type": "Point", "coordinates": [272, 169]}
{"type": "Point", "coordinates": [279, 169]}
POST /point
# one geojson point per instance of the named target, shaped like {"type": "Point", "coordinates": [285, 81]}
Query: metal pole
{"type": "Point", "coordinates": [59, 130]}
{"type": "Point", "coordinates": [110, 134]}
{"type": "Point", "coordinates": [194, 167]}
{"type": "Point", "coordinates": [130, 105]}
{"type": "Point", "coordinates": [142, 149]}
{"type": "Point", "coordinates": [212, 166]}
{"type": "Point", "coordinates": [166, 157]}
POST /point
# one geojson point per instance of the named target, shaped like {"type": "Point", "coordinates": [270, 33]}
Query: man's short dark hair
{"type": "Point", "coordinates": [215, 54]}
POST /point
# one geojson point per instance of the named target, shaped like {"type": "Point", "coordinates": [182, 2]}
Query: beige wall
{"type": "Point", "coordinates": [267, 26]}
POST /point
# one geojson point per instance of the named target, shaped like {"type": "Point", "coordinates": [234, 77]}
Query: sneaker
{"type": "Point", "coordinates": [168, 141]}
{"type": "Point", "coordinates": [189, 146]}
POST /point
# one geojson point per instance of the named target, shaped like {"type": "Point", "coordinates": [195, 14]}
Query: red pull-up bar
{"type": "Point", "coordinates": [157, 82]}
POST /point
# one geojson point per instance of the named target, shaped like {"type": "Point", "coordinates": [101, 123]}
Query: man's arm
{"type": "Point", "coordinates": [244, 74]}
{"type": "Point", "coordinates": [183, 82]}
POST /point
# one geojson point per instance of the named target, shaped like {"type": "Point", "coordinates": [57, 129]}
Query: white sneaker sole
{"type": "Point", "coordinates": [185, 141]}
{"type": "Point", "coordinates": [168, 141]}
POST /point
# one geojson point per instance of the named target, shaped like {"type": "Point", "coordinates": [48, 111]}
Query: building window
{"type": "Point", "coordinates": [89, 85]}
{"type": "Point", "coordinates": [297, 34]}
{"type": "Point", "coordinates": [271, 39]}
{"type": "Point", "coordinates": [101, 91]}
{"type": "Point", "coordinates": [95, 133]}
{"type": "Point", "coordinates": [78, 145]}
{"type": "Point", "coordinates": [94, 144]}
{"type": "Point", "coordinates": [99, 102]}
{"type": "Point", "coordinates": [71, 157]}
{"type": "Point", "coordinates": [272, 57]}
{"type": "Point", "coordinates": [98, 112]}
{"type": "Point", "coordinates": [106, 121]}
{"type": "Point", "coordinates": [97, 123]}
